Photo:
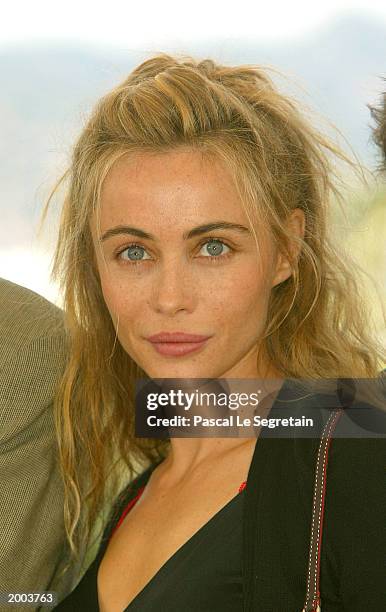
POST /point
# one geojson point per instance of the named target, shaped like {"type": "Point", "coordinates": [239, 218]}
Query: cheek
{"type": "Point", "coordinates": [118, 300]}
{"type": "Point", "coordinates": [246, 293]}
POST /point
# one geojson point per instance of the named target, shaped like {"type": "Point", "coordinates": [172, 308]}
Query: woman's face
{"type": "Point", "coordinates": [156, 278]}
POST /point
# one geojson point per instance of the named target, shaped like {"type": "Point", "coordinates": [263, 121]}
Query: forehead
{"type": "Point", "coordinates": [180, 182]}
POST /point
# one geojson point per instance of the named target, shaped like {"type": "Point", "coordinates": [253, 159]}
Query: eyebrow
{"type": "Point", "coordinates": [196, 231]}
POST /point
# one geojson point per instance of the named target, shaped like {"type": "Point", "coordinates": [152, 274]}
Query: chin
{"type": "Point", "coordinates": [179, 372]}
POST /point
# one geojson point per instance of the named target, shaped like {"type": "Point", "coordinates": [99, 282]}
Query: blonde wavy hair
{"type": "Point", "coordinates": [318, 323]}
{"type": "Point", "coordinates": [379, 130]}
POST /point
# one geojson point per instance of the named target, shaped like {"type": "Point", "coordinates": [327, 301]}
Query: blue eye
{"type": "Point", "coordinates": [134, 253]}
{"type": "Point", "coordinates": [216, 248]}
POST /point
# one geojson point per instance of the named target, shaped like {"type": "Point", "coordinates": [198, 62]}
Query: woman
{"type": "Point", "coordinates": [197, 205]}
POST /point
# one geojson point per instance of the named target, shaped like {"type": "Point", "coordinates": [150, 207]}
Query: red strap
{"type": "Point", "coordinates": [126, 510]}
{"type": "Point", "coordinates": [242, 486]}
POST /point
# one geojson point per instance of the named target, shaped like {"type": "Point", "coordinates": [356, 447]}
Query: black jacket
{"type": "Point", "coordinates": [278, 508]}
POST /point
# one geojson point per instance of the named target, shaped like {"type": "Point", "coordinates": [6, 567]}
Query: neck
{"type": "Point", "coordinates": [189, 454]}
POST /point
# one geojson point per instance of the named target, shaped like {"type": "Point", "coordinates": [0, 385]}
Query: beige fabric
{"type": "Point", "coordinates": [33, 547]}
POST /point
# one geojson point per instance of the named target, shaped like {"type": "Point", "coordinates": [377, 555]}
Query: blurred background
{"type": "Point", "coordinates": [56, 60]}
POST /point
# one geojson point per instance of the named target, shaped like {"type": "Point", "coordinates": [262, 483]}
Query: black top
{"type": "Point", "coordinates": [204, 574]}
{"type": "Point", "coordinates": [275, 526]}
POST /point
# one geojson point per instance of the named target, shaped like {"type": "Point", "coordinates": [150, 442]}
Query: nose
{"type": "Point", "coordinates": [173, 288]}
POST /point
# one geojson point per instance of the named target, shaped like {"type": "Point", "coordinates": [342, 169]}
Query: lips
{"type": "Point", "coordinates": [177, 344]}
{"type": "Point", "coordinates": [176, 337]}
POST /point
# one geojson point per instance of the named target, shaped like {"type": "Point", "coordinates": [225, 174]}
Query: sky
{"type": "Point", "coordinates": [124, 24]}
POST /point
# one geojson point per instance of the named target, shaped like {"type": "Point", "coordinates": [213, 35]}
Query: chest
{"type": "Point", "coordinates": [156, 527]}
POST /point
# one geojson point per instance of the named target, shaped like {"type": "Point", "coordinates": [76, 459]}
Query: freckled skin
{"type": "Point", "coordinates": [176, 287]}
